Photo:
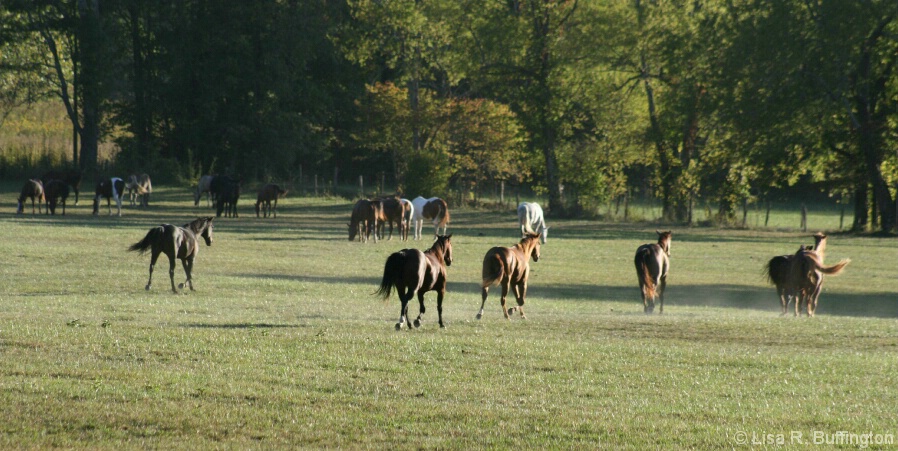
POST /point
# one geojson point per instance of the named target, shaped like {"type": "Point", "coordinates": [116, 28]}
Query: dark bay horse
{"type": "Point", "coordinates": [652, 265]}
{"type": "Point", "coordinates": [227, 193]}
{"type": "Point", "coordinates": [509, 267]}
{"type": "Point", "coordinates": [72, 178]}
{"type": "Point", "coordinates": [32, 189]}
{"type": "Point", "coordinates": [778, 268]}
{"type": "Point", "coordinates": [806, 277]}
{"type": "Point", "coordinates": [413, 273]}
{"type": "Point", "coordinates": [266, 195]}
{"type": "Point", "coordinates": [56, 191]}
{"type": "Point", "coordinates": [175, 242]}
{"type": "Point", "coordinates": [363, 221]}
{"type": "Point", "coordinates": [109, 189]}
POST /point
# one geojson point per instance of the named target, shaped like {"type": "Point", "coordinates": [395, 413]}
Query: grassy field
{"type": "Point", "coordinates": [284, 346]}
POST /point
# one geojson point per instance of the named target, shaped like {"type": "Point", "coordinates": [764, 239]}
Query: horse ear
{"type": "Point", "coordinates": [210, 218]}
{"type": "Point", "coordinates": [449, 237]}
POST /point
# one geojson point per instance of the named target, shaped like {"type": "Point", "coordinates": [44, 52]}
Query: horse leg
{"type": "Point", "coordinates": [484, 292]}
{"type": "Point", "coordinates": [153, 259]}
{"type": "Point", "coordinates": [812, 301]}
{"type": "Point", "coordinates": [440, 294]}
{"type": "Point", "coordinates": [421, 309]}
{"type": "Point", "coordinates": [187, 263]}
{"type": "Point", "coordinates": [505, 286]}
{"type": "Point", "coordinates": [403, 308]}
{"type": "Point", "coordinates": [171, 272]}
{"type": "Point", "coordinates": [520, 293]}
{"type": "Point", "coordinates": [783, 303]}
{"type": "Point", "coordinates": [661, 288]}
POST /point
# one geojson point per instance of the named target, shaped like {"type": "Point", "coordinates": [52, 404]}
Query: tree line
{"type": "Point", "coordinates": [720, 102]}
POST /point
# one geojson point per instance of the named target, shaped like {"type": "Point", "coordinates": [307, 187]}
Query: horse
{"type": "Point", "coordinates": [806, 277]}
{"type": "Point", "coordinates": [509, 267]}
{"type": "Point", "coordinates": [393, 212]}
{"type": "Point", "coordinates": [204, 185]}
{"type": "Point", "coordinates": [109, 189]}
{"type": "Point", "coordinates": [434, 209]}
{"type": "Point", "coordinates": [72, 178]}
{"type": "Point", "coordinates": [407, 217]}
{"type": "Point", "coordinates": [268, 193]}
{"type": "Point", "coordinates": [175, 242]}
{"type": "Point", "coordinates": [652, 265]}
{"type": "Point", "coordinates": [530, 217]}
{"type": "Point", "coordinates": [54, 191]}
{"type": "Point", "coordinates": [32, 189]}
{"type": "Point", "coordinates": [363, 220]}
{"type": "Point", "coordinates": [227, 193]}
{"type": "Point", "coordinates": [413, 272]}
{"type": "Point", "coordinates": [777, 271]}
{"type": "Point", "coordinates": [139, 189]}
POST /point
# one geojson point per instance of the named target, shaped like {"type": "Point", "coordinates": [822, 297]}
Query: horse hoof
{"type": "Point", "coordinates": [442, 326]}
{"type": "Point", "coordinates": [511, 311]}
{"type": "Point", "coordinates": [479, 316]}
{"type": "Point", "coordinates": [417, 323]}
{"type": "Point", "coordinates": [398, 326]}
{"type": "Point", "coordinates": [180, 286]}
{"type": "Point", "coordinates": [147, 288]}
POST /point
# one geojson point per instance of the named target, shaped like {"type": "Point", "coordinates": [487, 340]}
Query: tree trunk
{"type": "Point", "coordinates": [90, 40]}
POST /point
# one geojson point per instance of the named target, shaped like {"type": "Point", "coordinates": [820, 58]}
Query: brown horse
{"type": "Point", "coordinates": [72, 178]}
{"type": "Point", "coordinates": [413, 272]}
{"type": "Point", "coordinates": [175, 242]}
{"type": "Point", "coordinates": [226, 191]}
{"type": "Point", "coordinates": [509, 266]}
{"type": "Point", "coordinates": [139, 189]}
{"type": "Point", "coordinates": [434, 209]}
{"type": "Point", "coordinates": [652, 265]}
{"type": "Point", "coordinates": [54, 192]}
{"type": "Point", "coordinates": [778, 268]}
{"type": "Point", "coordinates": [393, 212]}
{"type": "Point", "coordinates": [267, 194]}
{"type": "Point", "coordinates": [32, 189]}
{"type": "Point", "coordinates": [806, 277]}
{"type": "Point", "coordinates": [363, 221]}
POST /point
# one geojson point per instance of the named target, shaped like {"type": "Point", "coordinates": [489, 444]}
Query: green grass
{"type": "Point", "coordinates": [284, 346]}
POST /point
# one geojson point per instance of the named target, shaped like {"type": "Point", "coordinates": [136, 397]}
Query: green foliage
{"type": "Point", "coordinates": [429, 174]}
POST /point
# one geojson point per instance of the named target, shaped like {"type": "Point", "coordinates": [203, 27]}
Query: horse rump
{"type": "Point", "coordinates": [647, 282]}
{"type": "Point", "coordinates": [392, 273]}
{"type": "Point", "coordinates": [493, 269]}
{"type": "Point", "coordinates": [147, 242]}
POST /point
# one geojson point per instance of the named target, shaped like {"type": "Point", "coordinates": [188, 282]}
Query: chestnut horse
{"type": "Point", "coordinates": [363, 221]}
{"type": "Point", "coordinates": [652, 265]}
{"type": "Point", "coordinates": [32, 189]}
{"type": "Point", "coordinates": [139, 189]}
{"type": "Point", "coordinates": [55, 191]}
{"type": "Point", "coordinates": [434, 209]}
{"type": "Point", "coordinates": [778, 268]}
{"type": "Point", "coordinates": [509, 267]}
{"type": "Point", "coordinates": [175, 242]}
{"type": "Point", "coordinates": [109, 189]}
{"type": "Point", "coordinates": [413, 272]}
{"type": "Point", "coordinates": [268, 193]}
{"type": "Point", "coordinates": [806, 277]}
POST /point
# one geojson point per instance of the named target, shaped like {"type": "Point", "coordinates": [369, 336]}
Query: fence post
{"type": "Point", "coordinates": [804, 218]}
{"type": "Point", "coordinates": [361, 186]}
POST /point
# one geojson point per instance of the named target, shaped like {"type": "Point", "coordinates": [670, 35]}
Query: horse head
{"type": "Point", "coordinates": [207, 229]}
{"type": "Point", "coordinates": [531, 245]}
{"type": "Point", "coordinates": [352, 231]}
{"type": "Point", "coordinates": [664, 241]}
{"type": "Point", "coordinates": [442, 241]}
{"type": "Point", "coordinates": [544, 233]}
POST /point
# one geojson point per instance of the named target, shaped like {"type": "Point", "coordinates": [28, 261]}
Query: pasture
{"type": "Point", "coordinates": [283, 344]}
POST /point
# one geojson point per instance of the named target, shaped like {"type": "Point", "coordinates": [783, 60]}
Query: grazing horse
{"type": "Point", "coordinates": [227, 193]}
{"type": "Point", "coordinates": [363, 221]}
{"type": "Point", "coordinates": [54, 191]}
{"type": "Point", "coordinates": [393, 212]}
{"type": "Point", "coordinates": [139, 189]}
{"type": "Point", "coordinates": [434, 209]}
{"type": "Point", "coordinates": [32, 189]}
{"type": "Point", "coordinates": [806, 277]}
{"type": "Point", "coordinates": [652, 265]}
{"type": "Point", "coordinates": [175, 242]}
{"type": "Point", "coordinates": [268, 193]}
{"type": "Point", "coordinates": [109, 189]}
{"type": "Point", "coordinates": [778, 268]}
{"type": "Point", "coordinates": [530, 217]}
{"type": "Point", "coordinates": [204, 185]}
{"type": "Point", "coordinates": [413, 272]}
{"type": "Point", "coordinates": [407, 218]}
{"type": "Point", "coordinates": [72, 178]}
{"type": "Point", "coordinates": [509, 267]}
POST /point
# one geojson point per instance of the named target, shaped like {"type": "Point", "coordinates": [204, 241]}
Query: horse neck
{"type": "Point", "coordinates": [526, 245]}
{"type": "Point", "coordinates": [438, 251]}
{"type": "Point", "coordinates": [820, 247]}
{"type": "Point", "coordinates": [665, 245]}
{"type": "Point", "coordinates": [197, 227]}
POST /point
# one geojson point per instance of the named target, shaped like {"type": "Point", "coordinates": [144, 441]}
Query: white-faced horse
{"type": "Point", "coordinates": [530, 217]}
{"type": "Point", "coordinates": [434, 209]}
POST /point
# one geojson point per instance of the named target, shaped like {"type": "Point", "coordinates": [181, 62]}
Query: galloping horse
{"type": "Point", "coordinates": [806, 276]}
{"type": "Point", "coordinates": [109, 189]}
{"type": "Point", "coordinates": [407, 217]}
{"type": "Point", "coordinates": [434, 209]}
{"type": "Point", "coordinates": [175, 242]}
{"type": "Point", "coordinates": [72, 178]}
{"type": "Point", "coordinates": [32, 189]}
{"type": "Point", "coordinates": [268, 193]}
{"type": "Point", "coordinates": [204, 185]}
{"type": "Point", "coordinates": [530, 216]}
{"type": "Point", "coordinates": [413, 272]}
{"type": "Point", "coordinates": [778, 268]}
{"type": "Point", "coordinates": [652, 265]}
{"type": "Point", "coordinates": [54, 191]}
{"type": "Point", "coordinates": [139, 188]}
{"type": "Point", "coordinates": [509, 267]}
{"type": "Point", "coordinates": [393, 212]}
{"type": "Point", "coordinates": [363, 221]}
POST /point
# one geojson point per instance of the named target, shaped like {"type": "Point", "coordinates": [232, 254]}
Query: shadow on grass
{"type": "Point", "coordinates": [241, 326]}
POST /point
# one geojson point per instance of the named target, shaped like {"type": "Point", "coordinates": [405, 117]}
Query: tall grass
{"type": "Point", "coordinates": [283, 344]}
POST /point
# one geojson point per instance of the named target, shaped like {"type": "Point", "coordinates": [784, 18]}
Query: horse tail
{"type": "Point", "coordinates": [834, 269]}
{"type": "Point", "coordinates": [392, 269]}
{"type": "Point", "coordinates": [776, 269]}
{"type": "Point", "coordinates": [444, 210]}
{"type": "Point", "coordinates": [147, 242]}
{"type": "Point", "coordinates": [493, 269]}
{"type": "Point", "coordinates": [642, 267]}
